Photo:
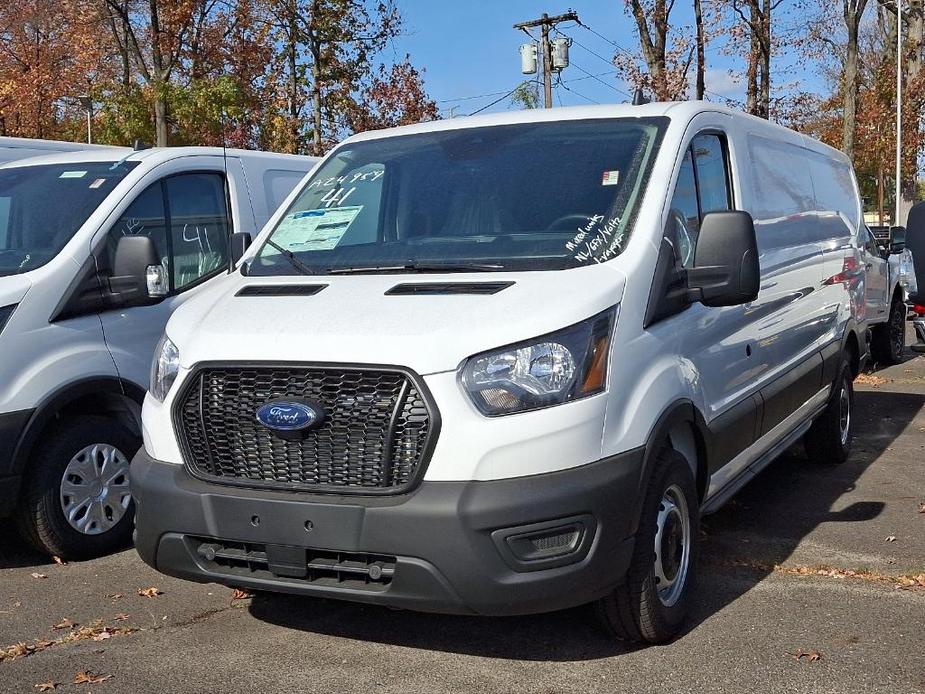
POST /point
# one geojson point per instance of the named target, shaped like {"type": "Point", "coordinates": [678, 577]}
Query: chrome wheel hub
{"type": "Point", "coordinates": [672, 546]}
{"type": "Point", "coordinates": [94, 489]}
{"type": "Point", "coordinates": [844, 413]}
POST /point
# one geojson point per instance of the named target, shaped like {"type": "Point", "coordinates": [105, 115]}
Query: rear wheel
{"type": "Point", "coordinates": [889, 339]}
{"type": "Point", "coordinates": [829, 438]}
{"type": "Point", "coordinates": [77, 502]}
{"type": "Point", "coordinates": [653, 600]}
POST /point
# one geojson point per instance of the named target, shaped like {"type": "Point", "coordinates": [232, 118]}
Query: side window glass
{"type": "Point", "coordinates": [144, 217]}
{"type": "Point", "coordinates": [684, 214]}
{"type": "Point", "coordinates": [199, 227]}
{"type": "Point", "coordinates": [712, 177]}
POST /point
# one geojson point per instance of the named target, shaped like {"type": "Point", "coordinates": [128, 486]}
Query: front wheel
{"type": "Point", "coordinates": [651, 603]}
{"type": "Point", "coordinates": [76, 502]}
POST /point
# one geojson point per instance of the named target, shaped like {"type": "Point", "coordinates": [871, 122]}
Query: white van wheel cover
{"type": "Point", "coordinates": [672, 545]}
{"type": "Point", "coordinates": [95, 490]}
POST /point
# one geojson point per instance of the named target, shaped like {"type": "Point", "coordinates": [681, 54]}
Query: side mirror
{"type": "Point", "coordinates": [239, 243]}
{"type": "Point", "coordinates": [897, 239]}
{"type": "Point", "coordinates": [138, 278]}
{"type": "Point", "coordinates": [725, 271]}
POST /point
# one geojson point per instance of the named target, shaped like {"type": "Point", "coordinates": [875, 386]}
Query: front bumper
{"type": "Point", "coordinates": [445, 544]}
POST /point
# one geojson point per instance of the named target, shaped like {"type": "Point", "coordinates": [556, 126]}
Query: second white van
{"type": "Point", "coordinates": [81, 311]}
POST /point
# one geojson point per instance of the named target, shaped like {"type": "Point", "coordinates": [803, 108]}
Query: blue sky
{"type": "Point", "coordinates": [470, 49]}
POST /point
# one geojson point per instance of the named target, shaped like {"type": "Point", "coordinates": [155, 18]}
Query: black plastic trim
{"type": "Point", "coordinates": [446, 288]}
{"type": "Point", "coordinates": [192, 380]}
{"type": "Point", "coordinates": [12, 426]}
{"type": "Point", "coordinates": [280, 289]}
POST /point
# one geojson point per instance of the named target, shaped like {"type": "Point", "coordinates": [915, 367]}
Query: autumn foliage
{"type": "Point", "coordinates": [287, 75]}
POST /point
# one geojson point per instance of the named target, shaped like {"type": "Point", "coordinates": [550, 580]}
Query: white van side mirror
{"type": "Point", "coordinates": [138, 277]}
{"type": "Point", "coordinates": [725, 271]}
{"type": "Point", "coordinates": [240, 242]}
{"type": "Point", "coordinates": [897, 239]}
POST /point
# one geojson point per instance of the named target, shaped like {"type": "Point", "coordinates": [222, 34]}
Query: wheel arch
{"type": "Point", "coordinates": [107, 396]}
{"type": "Point", "coordinates": [682, 427]}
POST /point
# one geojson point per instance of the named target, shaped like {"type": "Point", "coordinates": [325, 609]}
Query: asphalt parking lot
{"type": "Point", "coordinates": [813, 580]}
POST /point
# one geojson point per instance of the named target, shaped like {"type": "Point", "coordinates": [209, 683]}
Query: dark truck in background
{"type": "Point", "coordinates": [892, 282]}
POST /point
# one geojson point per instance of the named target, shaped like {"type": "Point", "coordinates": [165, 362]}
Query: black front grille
{"type": "Point", "coordinates": [375, 436]}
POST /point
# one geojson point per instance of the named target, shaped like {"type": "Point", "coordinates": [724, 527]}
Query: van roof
{"type": "Point", "coordinates": [153, 155]}
{"type": "Point", "coordinates": [50, 145]}
{"type": "Point", "coordinates": [680, 110]}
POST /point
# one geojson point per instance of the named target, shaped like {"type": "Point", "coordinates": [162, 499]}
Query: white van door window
{"type": "Point", "coordinates": [186, 218]}
{"type": "Point", "coordinates": [199, 226]}
{"type": "Point", "coordinates": [702, 187]}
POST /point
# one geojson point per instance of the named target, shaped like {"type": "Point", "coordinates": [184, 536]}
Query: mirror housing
{"type": "Point", "coordinates": [897, 239]}
{"type": "Point", "coordinates": [138, 278]}
{"type": "Point", "coordinates": [725, 271]}
{"type": "Point", "coordinates": [240, 242]}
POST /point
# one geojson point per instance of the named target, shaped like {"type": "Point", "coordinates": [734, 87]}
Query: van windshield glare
{"type": "Point", "coordinates": [43, 206]}
{"type": "Point", "coordinates": [535, 196]}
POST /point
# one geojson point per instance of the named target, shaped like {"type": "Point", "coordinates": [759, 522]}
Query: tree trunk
{"type": "Point", "coordinates": [764, 40]}
{"type": "Point", "coordinates": [160, 118]}
{"type": "Point", "coordinates": [754, 50]}
{"type": "Point", "coordinates": [292, 58]}
{"type": "Point", "coordinates": [315, 48]}
{"type": "Point", "coordinates": [853, 10]}
{"type": "Point", "coordinates": [701, 53]}
{"type": "Point", "coordinates": [653, 42]}
{"type": "Point", "coordinates": [913, 44]}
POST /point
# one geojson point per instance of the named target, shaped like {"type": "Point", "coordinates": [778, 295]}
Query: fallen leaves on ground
{"type": "Point", "coordinates": [870, 380]}
{"type": "Point", "coordinates": [36, 574]}
{"type": "Point", "coordinates": [891, 538]}
{"type": "Point", "coordinates": [922, 507]}
{"type": "Point", "coordinates": [115, 596]}
{"type": "Point", "coordinates": [812, 656]}
{"type": "Point", "coordinates": [901, 581]}
{"type": "Point", "coordinates": [87, 677]}
{"type": "Point", "coordinates": [95, 631]}
{"type": "Point", "coordinates": [58, 560]}
{"type": "Point", "coordinates": [151, 592]}
{"type": "Point", "coordinates": [239, 594]}
{"type": "Point", "coordinates": [45, 686]}
{"type": "Point", "coordinates": [121, 617]}
{"type": "Point", "coordinates": [65, 623]}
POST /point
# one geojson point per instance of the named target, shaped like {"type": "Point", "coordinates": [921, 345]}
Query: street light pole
{"type": "Point", "coordinates": [87, 103]}
{"type": "Point", "coordinates": [899, 109]}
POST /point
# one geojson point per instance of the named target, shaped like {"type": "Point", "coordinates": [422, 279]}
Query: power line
{"type": "Point", "coordinates": [598, 79]}
{"type": "Point", "coordinates": [601, 36]}
{"type": "Point", "coordinates": [569, 89]}
{"type": "Point", "coordinates": [581, 45]}
{"type": "Point", "coordinates": [501, 98]}
{"type": "Point", "coordinates": [468, 98]}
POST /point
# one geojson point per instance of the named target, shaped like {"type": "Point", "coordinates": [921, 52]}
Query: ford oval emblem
{"type": "Point", "coordinates": [289, 415]}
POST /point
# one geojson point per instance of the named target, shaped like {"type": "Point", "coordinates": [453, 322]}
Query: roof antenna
{"type": "Point", "coordinates": [640, 98]}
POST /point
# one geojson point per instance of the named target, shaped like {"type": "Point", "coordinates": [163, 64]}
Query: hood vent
{"type": "Point", "coordinates": [432, 288]}
{"type": "Point", "coordinates": [281, 290]}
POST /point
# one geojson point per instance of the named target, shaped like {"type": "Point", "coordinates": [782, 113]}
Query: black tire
{"type": "Point", "coordinates": [634, 611]}
{"type": "Point", "coordinates": [40, 517]}
{"type": "Point", "coordinates": [829, 438]}
{"type": "Point", "coordinates": [888, 341]}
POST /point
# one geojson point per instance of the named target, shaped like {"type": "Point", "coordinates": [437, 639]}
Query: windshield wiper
{"type": "Point", "coordinates": [412, 266]}
{"type": "Point", "coordinates": [290, 256]}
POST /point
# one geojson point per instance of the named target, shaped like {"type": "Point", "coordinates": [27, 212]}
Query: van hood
{"type": "Point", "coordinates": [13, 288]}
{"type": "Point", "coordinates": [362, 320]}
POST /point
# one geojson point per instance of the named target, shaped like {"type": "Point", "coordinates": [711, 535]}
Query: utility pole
{"type": "Point", "coordinates": [546, 23]}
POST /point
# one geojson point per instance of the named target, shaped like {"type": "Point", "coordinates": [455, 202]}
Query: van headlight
{"type": "Point", "coordinates": [164, 368]}
{"type": "Point", "coordinates": [566, 365]}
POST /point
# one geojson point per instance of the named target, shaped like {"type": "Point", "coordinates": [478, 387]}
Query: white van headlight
{"type": "Point", "coordinates": [164, 368]}
{"type": "Point", "coordinates": [559, 367]}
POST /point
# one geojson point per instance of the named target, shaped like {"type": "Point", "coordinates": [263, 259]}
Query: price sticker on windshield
{"type": "Point", "coordinates": [610, 178]}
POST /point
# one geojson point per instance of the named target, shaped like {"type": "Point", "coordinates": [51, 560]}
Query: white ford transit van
{"type": "Point", "coordinates": [503, 364]}
{"type": "Point", "coordinates": [78, 325]}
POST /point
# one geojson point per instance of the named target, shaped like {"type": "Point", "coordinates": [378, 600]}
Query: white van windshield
{"type": "Point", "coordinates": [535, 196]}
{"type": "Point", "coordinates": [43, 206]}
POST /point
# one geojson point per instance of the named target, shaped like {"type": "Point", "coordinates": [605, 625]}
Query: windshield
{"type": "Point", "coordinates": [43, 206]}
{"type": "Point", "coordinates": [536, 196]}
